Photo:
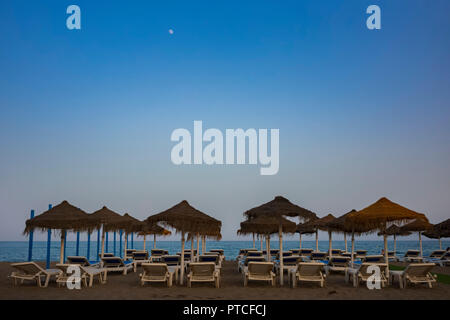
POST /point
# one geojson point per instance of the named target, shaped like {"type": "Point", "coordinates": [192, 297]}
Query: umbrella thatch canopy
{"type": "Point", "coordinates": [279, 208]}
{"type": "Point", "coordinates": [110, 220]}
{"type": "Point", "coordinates": [319, 224]}
{"type": "Point", "coordinates": [440, 230]}
{"type": "Point", "coordinates": [395, 231]}
{"type": "Point", "coordinates": [63, 216]}
{"type": "Point", "coordinates": [133, 225]}
{"type": "Point", "coordinates": [152, 229]}
{"type": "Point", "coordinates": [418, 226]}
{"type": "Point", "coordinates": [378, 215]}
{"type": "Point", "coordinates": [186, 219]}
{"type": "Point", "coordinates": [267, 225]}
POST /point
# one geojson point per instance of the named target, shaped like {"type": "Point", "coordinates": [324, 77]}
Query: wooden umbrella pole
{"type": "Point", "coordinates": [268, 248]}
{"type": "Point", "coordinates": [353, 245]}
{"type": "Point", "coordinates": [103, 243]}
{"type": "Point", "coordinates": [182, 259]}
{"type": "Point", "coordinates": [420, 244]}
{"type": "Point", "coordinates": [395, 245]}
{"type": "Point", "coordinates": [144, 242]}
{"type": "Point", "coordinates": [154, 241]}
{"type": "Point", "coordinates": [125, 247]}
{"type": "Point", "coordinates": [345, 241]}
{"type": "Point", "coordinates": [203, 244]}
{"type": "Point", "coordinates": [262, 247]}
{"type": "Point", "coordinates": [192, 248]}
{"type": "Point", "coordinates": [440, 243]}
{"type": "Point", "coordinates": [61, 252]}
{"type": "Point", "coordinates": [254, 244]}
{"type": "Point", "coordinates": [300, 244]}
{"type": "Point", "coordinates": [317, 239]}
{"type": "Point", "coordinates": [198, 246]}
{"type": "Point", "coordinates": [280, 236]}
{"type": "Point", "coordinates": [329, 244]}
{"type": "Point", "coordinates": [386, 256]}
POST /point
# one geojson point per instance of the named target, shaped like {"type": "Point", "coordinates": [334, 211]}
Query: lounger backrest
{"type": "Point", "coordinates": [211, 254]}
{"type": "Point", "coordinates": [155, 269]}
{"type": "Point", "coordinates": [78, 260]}
{"type": "Point", "coordinates": [140, 255]}
{"type": "Point", "coordinates": [291, 260]}
{"type": "Point", "coordinates": [361, 252]}
{"type": "Point", "coordinates": [365, 265]}
{"type": "Point", "coordinates": [310, 268]}
{"type": "Point", "coordinates": [157, 252]}
{"type": "Point", "coordinates": [274, 252]}
{"type": "Point", "coordinates": [171, 260]}
{"type": "Point", "coordinates": [219, 251]}
{"type": "Point", "coordinates": [202, 268]}
{"type": "Point", "coordinates": [253, 259]}
{"type": "Point", "coordinates": [419, 269]}
{"type": "Point", "coordinates": [106, 255]}
{"type": "Point", "coordinates": [373, 259]}
{"type": "Point", "coordinates": [112, 262]}
{"type": "Point", "coordinates": [437, 253]}
{"type": "Point", "coordinates": [339, 261]}
{"type": "Point", "coordinates": [336, 251]}
{"type": "Point", "coordinates": [260, 268]}
{"type": "Point", "coordinates": [318, 255]}
{"type": "Point", "coordinates": [27, 268]}
{"type": "Point", "coordinates": [412, 253]}
{"type": "Point", "coordinates": [206, 258]}
{"type": "Point", "coordinates": [254, 253]}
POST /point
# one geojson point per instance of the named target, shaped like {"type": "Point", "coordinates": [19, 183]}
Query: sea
{"type": "Point", "coordinates": [16, 251]}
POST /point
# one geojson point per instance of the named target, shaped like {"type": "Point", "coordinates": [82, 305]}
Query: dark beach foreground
{"type": "Point", "coordinates": [120, 287]}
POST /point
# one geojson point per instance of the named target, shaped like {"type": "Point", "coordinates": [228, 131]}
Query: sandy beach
{"type": "Point", "coordinates": [119, 287]}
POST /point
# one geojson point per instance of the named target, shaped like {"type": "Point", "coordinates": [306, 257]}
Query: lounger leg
{"type": "Point", "coordinates": [47, 280]}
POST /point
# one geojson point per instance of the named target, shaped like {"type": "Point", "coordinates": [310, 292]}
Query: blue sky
{"type": "Point", "coordinates": [87, 115]}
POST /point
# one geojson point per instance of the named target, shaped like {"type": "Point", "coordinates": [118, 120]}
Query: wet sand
{"type": "Point", "coordinates": [120, 287]}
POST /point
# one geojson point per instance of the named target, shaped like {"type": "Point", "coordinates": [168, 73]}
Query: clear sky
{"type": "Point", "coordinates": [86, 115]}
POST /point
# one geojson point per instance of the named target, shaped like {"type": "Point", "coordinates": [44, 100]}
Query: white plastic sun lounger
{"type": "Point", "coordinates": [116, 264]}
{"type": "Point", "coordinates": [203, 272]}
{"type": "Point", "coordinates": [414, 273]}
{"type": "Point", "coordinates": [156, 272]}
{"type": "Point", "coordinates": [32, 271]}
{"type": "Point", "coordinates": [259, 271]}
{"type": "Point", "coordinates": [308, 272]}
{"type": "Point", "coordinates": [362, 274]}
{"type": "Point", "coordinates": [85, 274]}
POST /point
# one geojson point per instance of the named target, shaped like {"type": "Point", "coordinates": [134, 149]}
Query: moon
{"type": "Point", "coordinates": [170, 31]}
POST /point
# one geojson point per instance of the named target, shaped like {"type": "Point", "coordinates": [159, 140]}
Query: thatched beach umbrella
{"type": "Point", "coordinates": [154, 230]}
{"type": "Point", "coordinates": [215, 235]}
{"type": "Point", "coordinates": [280, 207]}
{"type": "Point", "coordinates": [301, 229]}
{"type": "Point", "coordinates": [440, 230]}
{"type": "Point", "coordinates": [378, 215]}
{"type": "Point", "coordinates": [339, 225]}
{"type": "Point", "coordinates": [130, 226]}
{"type": "Point", "coordinates": [418, 226]}
{"type": "Point", "coordinates": [64, 217]}
{"type": "Point", "coordinates": [395, 231]}
{"type": "Point", "coordinates": [108, 220]}
{"type": "Point", "coordinates": [320, 224]}
{"type": "Point", "coordinates": [266, 225]}
{"type": "Point", "coordinates": [186, 219]}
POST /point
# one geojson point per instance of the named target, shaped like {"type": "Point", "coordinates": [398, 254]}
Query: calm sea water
{"type": "Point", "coordinates": [18, 250]}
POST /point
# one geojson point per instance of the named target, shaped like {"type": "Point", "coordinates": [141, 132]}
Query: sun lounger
{"type": "Point", "coordinates": [337, 264]}
{"type": "Point", "coordinates": [82, 261]}
{"type": "Point", "coordinates": [210, 258]}
{"type": "Point", "coordinates": [305, 252]}
{"type": "Point", "coordinates": [414, 273]}
{"type": "Point", "coordinates": [156, 272]}
{"type": "Point", "coordinates": [285, 254]}
{"type": "Point", "coordinates": [316, 255]}
{"type": "Point", "coordinates": [373, 259]}
{"type": "Point", "coordinates": [86, 272]}
{"type": "Point", "coordinates": [139, 257]}
{"type": "Point", "coordinates": [289, 263]}
{"type": "Point", "coordinates": [243, 264]}
{"type": "Point", "coordinates": [308, 272]}
{"type": "Point", "coordinates": [336, 252]}
{"type": "Point", "coordinates": [116, 264]}
{"type": "Point", "coordinates": [437, 254]}
{"type": "Point", "coordinates": [362, 274]}
{"type": "Point", "coordinates": [243, 252]}
{"type": "Point", "coordinates": [392, 256]}
{"type": "Point", "coordinates": [259, 271]}
{"type": "Point", "coordinates": [129, 254]}
{"type": "Point", "coordinates": [106, 255]}
{"type": "Point", "coordinates": [443, 261]}
{"type": "Point", "coordinates": [203, 272]}
{"type": "Point", "coordinates": [360, 254]}
{"type": "Point", "coordinates": [157, 252]}
{"type": "Point", "coordinates": [412, 256]}
{"type": "Point", "coordinates": [32, 271]}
